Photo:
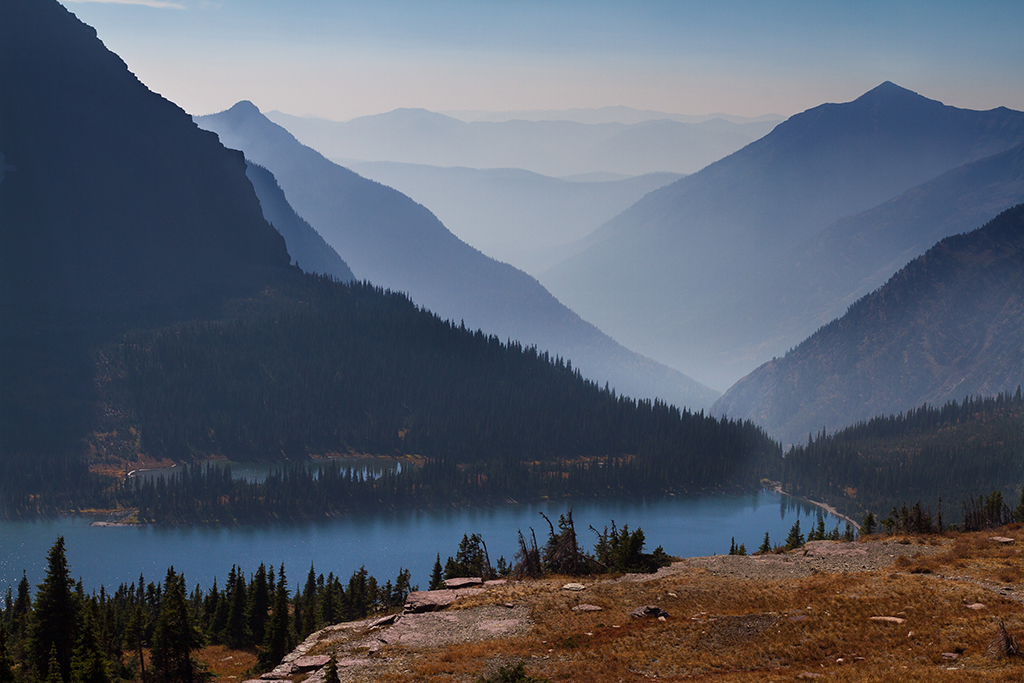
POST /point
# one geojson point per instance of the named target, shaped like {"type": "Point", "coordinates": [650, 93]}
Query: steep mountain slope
{"type": "Point", "coordinates": [114, 208]}
{"type": "Point", "coordinates": [793, 295]}
{"type": "Point", "coordinates": [514, 216]}
{"type": "Point", "coordinates": [394, 242]}
{"type": "Point", "coordinates": [307, 248]}
{"type": "Point", "coordinates": [948, 325]}
{"type": "Point", "coordinates": [552, 148]}
{"type": "Point", "coordinates": [666, 275]}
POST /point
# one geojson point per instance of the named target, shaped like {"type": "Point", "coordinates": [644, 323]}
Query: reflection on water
{"type": "Point", "coordinates": [385, 542]}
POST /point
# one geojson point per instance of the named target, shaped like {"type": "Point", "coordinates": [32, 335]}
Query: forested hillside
{"type": "Point", "coordinates": [947, 325]}
{"type": "Point", "coordinates": [955, 452]}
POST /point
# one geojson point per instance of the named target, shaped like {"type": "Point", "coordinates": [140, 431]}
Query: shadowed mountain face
{"type": "Point", "coordinates": [115, 208]}
{"type": "Point", "coordinates": [392, 241]}
{"type": "Point", "coordinates": [307, 248]}
{"type": "Point", "coordinates": [668, 275]}
{"type": "Point", "coordinates": [512, 215]}
{"type": "Point", "coordinates": [111, 208]}
{"type": "Point", "coordinates": [551, 148]}
{"type": "Point", "coordinates": [948, 325]}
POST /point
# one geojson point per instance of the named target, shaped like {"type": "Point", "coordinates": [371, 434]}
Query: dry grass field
{"type": "Point", "coordinates": [803, 615]}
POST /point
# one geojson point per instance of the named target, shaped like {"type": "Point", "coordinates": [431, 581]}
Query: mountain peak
{"type": "Point", "coordinates": [889, 92]}
{"type": "Point", "coordinates": [244, 107]}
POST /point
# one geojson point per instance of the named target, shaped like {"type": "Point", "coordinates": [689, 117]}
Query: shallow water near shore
{"type": "Point", "coordinates": [386, 542]}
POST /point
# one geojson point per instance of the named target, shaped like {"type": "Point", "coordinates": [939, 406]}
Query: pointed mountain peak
{"type": "Point", "coordinates": [889, 92]}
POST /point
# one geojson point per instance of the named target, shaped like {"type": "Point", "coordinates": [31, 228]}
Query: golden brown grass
{"type": "Point", "coordinates": [225, 664]}
{"type": "Point", "coordinates": [732, 630]}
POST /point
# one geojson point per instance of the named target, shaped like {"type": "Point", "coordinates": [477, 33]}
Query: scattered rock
{"type": "Point", "coordinates": [495, 582]}
{"type": "Point", "coordinates": [574, 587]}
{"type": "Point", "coordinates": [889, 620]}
{"type": "Point", "coordinates": [463, 582]}
{"type": "Point", "coordinates": [950, 655]}
{"type": "Point", "coordinates": [1001, 539]}
{"type": "Point", "coordinates": [806, 675]}
{"type": "Point", "coordinates": [976, 606]}
{"type": "Point", "coordinates": [649, 611]}
{"type": "Point", "coordinates": [586, 608]}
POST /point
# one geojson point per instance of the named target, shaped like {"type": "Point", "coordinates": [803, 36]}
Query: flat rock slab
{"type": "Point", "coordinates": [1001, 539]}
{"type": "Point", "coordinates": [463, 582]}
{"type": "Point", "coordinates": [310, 662]}
{"type": "Point", "coordinates": [432, 629]}
{"type": "Point", "coordinates": [649, 611]}
{"type": "Point", "coordinates": [574, 587]}
{"type": "Point", "coordinates": [586, 608]}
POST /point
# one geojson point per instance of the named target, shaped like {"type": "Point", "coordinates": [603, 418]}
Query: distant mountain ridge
{"type": "Point", "coordinates": [515, 216]}
{"type": "Point", "coordinates": [667, 275]}
{"type": "Point", "coordinates": [387, 238]}
{"type": "Point", "coordinates": [610, 114]}
{"type": "Point", "coordinates": [551, 148]}
{"type": "Point", "coordinates": [948, 325]}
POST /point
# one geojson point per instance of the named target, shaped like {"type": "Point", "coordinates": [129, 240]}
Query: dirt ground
{"type": "Point", "coordinates": [909, 609]}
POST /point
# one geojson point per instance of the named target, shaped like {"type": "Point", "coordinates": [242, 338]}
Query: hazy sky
{"type": "Point", "coordinates": [341, 59]}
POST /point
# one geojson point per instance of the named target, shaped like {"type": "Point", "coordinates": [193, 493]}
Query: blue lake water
{"type": "Point", "coordinates": [384, 543]}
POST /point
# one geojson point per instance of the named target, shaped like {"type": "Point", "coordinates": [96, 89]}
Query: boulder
{"type": "Point", "coordinates": [428, 601]}
{"type": "Point", "coordinates": [463, 582]}
{"type": "Point", "coordinates": [649, 611]}
{"type": "Point", "coordinates": [574, 587]}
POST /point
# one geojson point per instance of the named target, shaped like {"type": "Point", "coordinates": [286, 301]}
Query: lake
{"type": "Point", "coordinates": [684, 526]}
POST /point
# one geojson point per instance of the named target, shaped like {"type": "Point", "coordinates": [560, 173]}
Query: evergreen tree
{"type": "Point", "coordinates": [310, 607]}
{"type": "Point", "coordinates": [87, 664]}
{"type": "Point", "coordinates": [331, 676]}
{"type": "Point", "coordinates": [276, 640]}
{"type": "Point", "coordinates": [53, 667]}
{"type": "Point", "coordinates": [868, 526]}
{"type": "Point", "coordinates": [174, 637]}
{"type": "Point", "coordinates": [6, 661]}
{"type": "Point", "coordinates": [436, 576]}
{"type": "Point", "coordinates": [235, 626]}
{"type": "Point", "coordinates": [258, 605]}
{"type": "Point", "coordinates": [795, 538]}
{"type": "Point", "coordinates": [766, 545]}
{"type": "Point", "coordinates": [54, 616]}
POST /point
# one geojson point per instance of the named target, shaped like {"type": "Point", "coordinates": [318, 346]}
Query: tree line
{"type": "Point", "coordinates": [314, 367]}
{"type": "Point", "coordinates": [149, 632]}
{"type": "Point", "coordinates": [926, 454]}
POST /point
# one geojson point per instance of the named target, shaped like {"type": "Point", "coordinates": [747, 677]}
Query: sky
{"type": "Point", "coordinates": [340, 59]}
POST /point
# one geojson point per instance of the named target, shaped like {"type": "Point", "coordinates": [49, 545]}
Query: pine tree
{"type": "Point", "coordinates": [53, 667]}
{"type": "Point", "coordinates": [868, 526]}
{"type": "Point", "coordinates": [175, 636]}
{"type": "Point", "coordinates": [6, 662]}
{"type": "Point", "coordinates": [436, 575]}
{"type": "Point", "coordinates": [87, 664]}
{"type": "Point", "coordinates": [331, 675]}
{"type": "Point", "coordinates": [234, 628]}
{"type": "Point", "coordinates": [766, 545]}
{"type": "Point", "coordinates": [54, 616]}
{"type": "Point", "coordinates": [275, 642]}
{"type": "Point", "coordinates": [258, 605]}
{"type": "Point", "coordinates": [795, 538]}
